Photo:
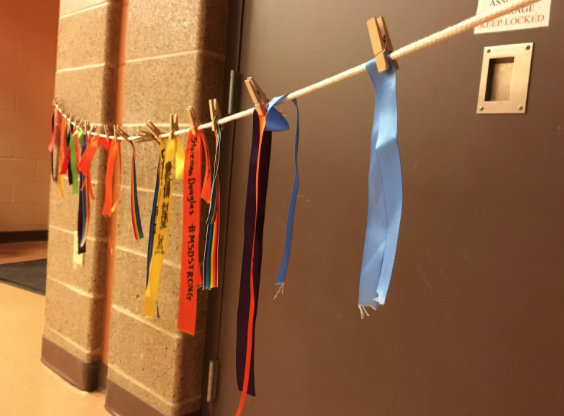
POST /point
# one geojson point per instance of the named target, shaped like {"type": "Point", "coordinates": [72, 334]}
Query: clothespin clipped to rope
{"type": "Point", "coordinates": [91, 131]}
{"type": "Point", "coordinates": [123, 134]}
{"type": "Point", "coordinates": [92, 128]}
{"type": "Point", "coordinates": [173, 123]}
{"type": "Point", "coordinates": [381, 43]}
{"type": "Point", "coordinates": [257, 95]}
{"type": "Point", "coordinates": [147, 136]}
{"type": "Point", "coordinates": [215, 113]}
{"type": "Point", "coordinates": [153, 133]}
{"type": "Point", "coordinates": [154, 129]}
{"type": "Point", "coordinates": [106, 131]}
{"type": "Point", "coordinates": [192, 118]}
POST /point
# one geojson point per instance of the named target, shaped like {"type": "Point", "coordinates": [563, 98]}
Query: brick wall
{"type": "Point", "coordinates": [28, 49]}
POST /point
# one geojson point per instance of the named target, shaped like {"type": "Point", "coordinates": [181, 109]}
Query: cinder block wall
{"type": "Point", "coordinates": [28, 43]}
{"type": "Point", "coordinates": [86, 84]}
{"type": "Point", "coordinates": [174, 58]}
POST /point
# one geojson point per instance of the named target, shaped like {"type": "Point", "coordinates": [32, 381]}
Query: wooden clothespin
{"type": "Point", "coordinates": [126, 137]}
{"type": "Point", "coordinates": [381, 42]}
{"type": "Point", "coordinates": [192, 118]}
{"type": "Point", "coordinates": [92, 129]}
{"type": "Point", "coordinates": [122, 133]}
{"type": "Point", "coordinates": [154, 129]}
{"type": "Point", "coordinates": [147, 136]}
{"type": "Point", "coordinates": [215, 114]}
{"type": "Point", "coordinates": [153, 133]}
{"type": "Point", "coordinates": [257, 95]}
{"type": "Point", "coordinates": [173, 124]}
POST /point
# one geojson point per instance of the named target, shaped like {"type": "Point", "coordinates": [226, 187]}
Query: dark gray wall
{"type": "Point", "coordinates": [474, 319]}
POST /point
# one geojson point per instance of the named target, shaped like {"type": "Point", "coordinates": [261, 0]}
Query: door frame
{"type": "Point", "coordinates": [215, 298]}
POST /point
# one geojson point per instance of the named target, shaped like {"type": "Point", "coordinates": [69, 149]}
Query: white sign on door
{"type": "Point", "coordinates": [533, 15]}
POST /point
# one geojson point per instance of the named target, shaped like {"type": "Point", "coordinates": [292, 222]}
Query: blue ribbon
{"type": "Point", "coordinates": [384, 193]}
{"type": "Point", "coordinates": [277, 122]}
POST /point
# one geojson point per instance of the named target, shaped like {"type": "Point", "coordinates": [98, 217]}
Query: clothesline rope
{"type": "Point", "coordinates": [404, 51]}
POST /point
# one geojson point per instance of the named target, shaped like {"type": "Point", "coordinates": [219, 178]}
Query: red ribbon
{"type": "Point", "coordinates": [62, 152]}
{"type": "Point", "coordinates": [56, 127]}
{"type": "Point", "coordinates": [66, 159]}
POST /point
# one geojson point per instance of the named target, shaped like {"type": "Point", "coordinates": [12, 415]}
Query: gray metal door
{"type": "Point", "coordinates": [474, 319]}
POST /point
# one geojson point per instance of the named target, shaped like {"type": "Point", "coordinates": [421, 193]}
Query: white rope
{"type": "Point", "coordinates": [400, 53]}
{"type": "Point", "coordinates": [461, 27]}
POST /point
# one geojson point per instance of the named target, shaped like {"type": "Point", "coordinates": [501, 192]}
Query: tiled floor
{"type": "Point", "coordinates": [27, 387]}
{"type": "Point", "coordinates": [17, 252]}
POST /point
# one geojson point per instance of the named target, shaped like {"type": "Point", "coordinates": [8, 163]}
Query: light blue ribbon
{"type": "Point", "coordinates": [384, 193]}
{"type": "Point", "coordinates": [277, 122]}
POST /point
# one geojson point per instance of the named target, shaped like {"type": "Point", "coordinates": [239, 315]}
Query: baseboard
{"type": "Point", "coordinates": [102, 377]}
{"type": "Point", "coordinates": [82, 375]}
{"type": "Point", "coordinates": [120, 402]}
{"type": "Point", "coordinates": [21, 236]}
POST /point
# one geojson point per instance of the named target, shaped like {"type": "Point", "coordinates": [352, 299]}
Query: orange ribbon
{"type": "Point", "coordinates": [114, 157]}
{"type": "Point", "coordinates": [190, 264]}
{"type": "Point", "coordinates": [206, 188]}
{"type": "Point", "coordinates": [86, 159]}
{"type": "Point", "coordinates": [111, 201]}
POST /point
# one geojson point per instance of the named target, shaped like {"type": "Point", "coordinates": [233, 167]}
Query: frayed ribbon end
{"type": "Point", "coordinates": [363, 308]}
{"type": "Point", "coordinates": [279, 291]}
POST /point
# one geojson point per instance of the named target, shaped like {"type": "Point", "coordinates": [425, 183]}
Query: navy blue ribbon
{"type": "Point", "coordinates": [83, 195]}
{"type": "Point", "coordinates": [152, 225]}
{"type": "Point", "coordinates": [69, 138]}
{"type": "Point", "coordinates": [255, 211]}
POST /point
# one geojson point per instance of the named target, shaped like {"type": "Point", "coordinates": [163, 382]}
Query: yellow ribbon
{"type": "Point", "coordinates": [179, 155]}
{"type": "Point", "coordinates": [169, 151]}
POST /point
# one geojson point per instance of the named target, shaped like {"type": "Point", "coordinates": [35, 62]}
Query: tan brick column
{"type": "Point", "coordinates": [175, 58]}
{"type": "Point", "coordinates": [86, 84]}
